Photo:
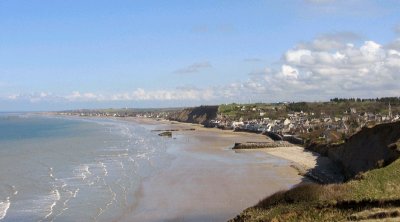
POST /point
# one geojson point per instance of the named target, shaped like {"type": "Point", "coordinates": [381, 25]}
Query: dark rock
{"type": "Point", "coordinates": [167, 134]}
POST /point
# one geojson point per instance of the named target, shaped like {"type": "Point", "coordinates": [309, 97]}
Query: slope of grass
{"type": "Point", "coordinates": [374, 191]}
{"type": "Point", "coordinates": [378, 184]}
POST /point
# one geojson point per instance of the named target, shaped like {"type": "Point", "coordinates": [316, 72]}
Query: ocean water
{"type": "Point", "coordinates": [60, 169]}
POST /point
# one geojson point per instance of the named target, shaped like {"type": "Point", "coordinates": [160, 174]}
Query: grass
{"type": "Point", "coordinates": [383, 183]}
{"type": "Point", "coordinates": [375, 191]}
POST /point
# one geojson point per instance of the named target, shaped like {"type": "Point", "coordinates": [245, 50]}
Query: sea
{"type": "Point", "coordinates": [73, 169]}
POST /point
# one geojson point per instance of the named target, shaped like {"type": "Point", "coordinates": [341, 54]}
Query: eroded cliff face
{"type": "Point", "coordinates": [201, 115]}
{"type": "Point", "coordinates": [368, 149]}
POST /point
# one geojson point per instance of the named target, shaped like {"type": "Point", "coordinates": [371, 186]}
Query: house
{"type": "Point", "coordinates": [237, 124]}
{"type": "Point", "coordinates": [286, 122]}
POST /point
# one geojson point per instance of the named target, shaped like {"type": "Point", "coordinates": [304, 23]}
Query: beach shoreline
{"type": "Point", "coordinates": [302, 158]}
{"type": "Point", "coordinates": [207, 180]}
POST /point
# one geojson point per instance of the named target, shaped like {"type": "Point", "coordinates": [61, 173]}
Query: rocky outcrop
{"type": "Point", "coordinates": [201, 115]}
{"type": "Point", "coordinates": [166, 134]}
{"type": "Point", "coordinates": [368, 149]}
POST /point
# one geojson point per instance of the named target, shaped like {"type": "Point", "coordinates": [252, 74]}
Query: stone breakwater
{"type": "Point", "coordinates": [261, 145]}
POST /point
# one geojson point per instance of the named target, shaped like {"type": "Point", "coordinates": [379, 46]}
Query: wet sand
{"type": "Point", "coordinates": [208, 181]}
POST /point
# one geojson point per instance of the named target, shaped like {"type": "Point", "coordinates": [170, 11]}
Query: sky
{"type": "Point", "coordinates": [58, 55]}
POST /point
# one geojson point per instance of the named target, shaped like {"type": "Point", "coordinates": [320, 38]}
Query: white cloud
{"type": "Point", "coordinates": [330, 41]}
{"type": "Point", "coordinates": [77, 96]}
{"type": "Point", "coordinates": [298, 56]}
{"type": "Point", "coordinates": [162, 95]}
{"type": "Point", "coordinates": [136, 95]}
{"type": "Point", "coordinates": [306, 72]}
{"type": "Point", "coordinates": [394, 45]}
{"type": "Point", "coordinates": [289, 72]}
{"type": "Point", "coordinates": [33, 97]}
{"type": "Point", "coordinates": [310, 73]}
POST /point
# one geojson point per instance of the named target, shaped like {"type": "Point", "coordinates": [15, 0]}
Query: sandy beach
{"type": "Point", "coordinates": [207, 180]}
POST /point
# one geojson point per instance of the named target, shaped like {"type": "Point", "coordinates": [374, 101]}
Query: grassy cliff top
{"type": "Point", "coordinates": [373, 195]}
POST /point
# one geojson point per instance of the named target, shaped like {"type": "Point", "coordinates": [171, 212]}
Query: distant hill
{"type": "Point", "coordinates": [200, 115]}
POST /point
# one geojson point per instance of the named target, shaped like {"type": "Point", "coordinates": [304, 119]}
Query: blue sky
{"type": "Point", "coordinates": [58, 55]}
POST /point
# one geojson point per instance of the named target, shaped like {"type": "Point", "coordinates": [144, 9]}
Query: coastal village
{"type": "Point", "coordinates": [351, 149]}
{"type": "Point", "coordinates": [200, 111]}
{"type": "Point", "coordinates": [280, 121]}
{"type": "Point", "coordinates": [300, 124]}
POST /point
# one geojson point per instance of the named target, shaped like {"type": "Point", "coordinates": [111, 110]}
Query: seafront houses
{"type": "Point", "coordinates": [237, 124]}
{"type": "Point", "coordinates": [291, 123]}
{"type": "Point", "coordinates": [332, 128]}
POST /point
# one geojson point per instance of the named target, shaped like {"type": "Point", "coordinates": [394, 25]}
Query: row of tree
{"type": "Point", "coordinates": [392, 100]}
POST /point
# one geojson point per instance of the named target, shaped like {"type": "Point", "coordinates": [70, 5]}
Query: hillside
{"type": "Point", "coordinates": [200, 115]}
{"type": "Point", "coordinates": [371, 195]}
{"type": "Point", "coordinates": [368, 149]}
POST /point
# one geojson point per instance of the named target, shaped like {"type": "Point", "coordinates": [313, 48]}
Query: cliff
{"type": "Point", "coordinates": [200, 115]}
{"type": "Point", "coordinates": [373, 195]}
{"type": "Point", "coordinates": [368, 149]}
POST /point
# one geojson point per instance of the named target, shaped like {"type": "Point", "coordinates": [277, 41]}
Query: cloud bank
{"type": "Point", "coordinates": [331, 65]}
{"type": "Point", "coordinates": [328, 67]}
{"type": "Point", "coordinates": [136, 95]}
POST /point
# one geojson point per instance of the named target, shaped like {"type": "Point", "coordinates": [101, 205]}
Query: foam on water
{"type": "Point", "coordinates": [51, 174]}
{"type": "Point", "coordinates": [4, 206]}
{"type": "Point", "coordinates": [104, 167]}
{"type": "Point", "coordinates": [14, 190]}
{"type": "Point", "coordinates": [55, 196]}
{"type": "Point", "coordinates": [10, 192]}
{"type": "Point", "coordinates": [82, 171]}
{"type": "Point", "coordinates": [91, 174]}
